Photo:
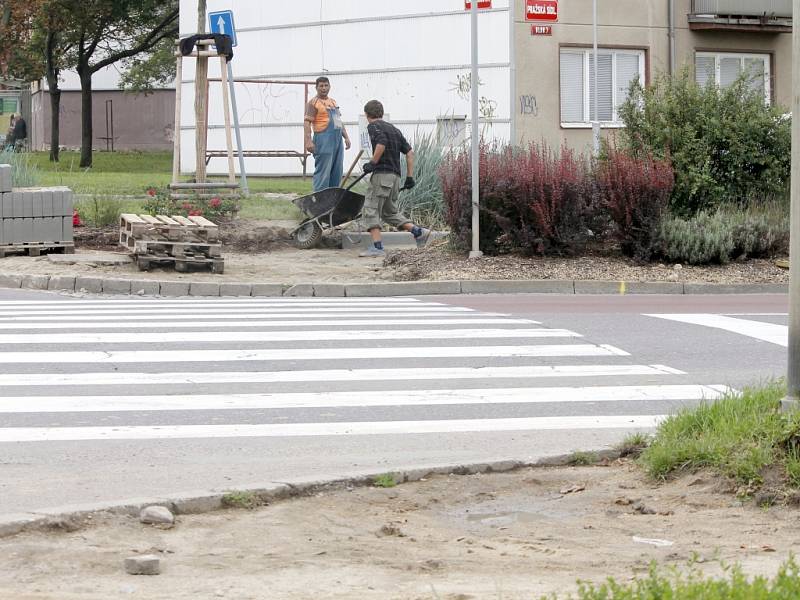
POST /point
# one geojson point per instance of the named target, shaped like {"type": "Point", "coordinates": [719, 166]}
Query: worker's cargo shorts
{"type": "Point", "coordinates": [380, 205]}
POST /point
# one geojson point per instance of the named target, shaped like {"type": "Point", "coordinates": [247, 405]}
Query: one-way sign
{"type": "Point", "coordinates": [222, 22]}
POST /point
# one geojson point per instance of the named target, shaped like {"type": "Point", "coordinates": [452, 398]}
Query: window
{"type": "Point", "coordinates": [616, 69]}
{"type": "Point", "coordinates": [8, 106]}
{"type": "Point", "coordinates": [723, 68]}
{"type": "Point", "coordinates": [451, 130]}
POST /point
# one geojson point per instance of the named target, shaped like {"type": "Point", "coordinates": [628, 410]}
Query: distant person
{"type": "Point", "coordinates": [9, 142]}
{"type": "Point", "coordinates": [20, 132]}
{"type": "Point", "coordinates": [380, 204]}
{"type": "Point", "coordinates": [325, 120]}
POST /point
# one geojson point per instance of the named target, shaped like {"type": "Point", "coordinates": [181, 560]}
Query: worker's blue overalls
{"type": "Point", "coordinates": [329, 153]}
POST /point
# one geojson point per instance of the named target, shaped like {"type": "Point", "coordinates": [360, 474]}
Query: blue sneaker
{"type": "Point", "coordinates": [372, 252]}
{"type": "Point", "coordinates": [423, 237]}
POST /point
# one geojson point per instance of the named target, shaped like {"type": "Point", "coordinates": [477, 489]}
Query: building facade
{"type": "Point", "coordinates": [536, 80]}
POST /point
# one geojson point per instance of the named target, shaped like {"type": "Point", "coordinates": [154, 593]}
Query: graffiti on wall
{"type": "Point", "coordinates": [528, 105]}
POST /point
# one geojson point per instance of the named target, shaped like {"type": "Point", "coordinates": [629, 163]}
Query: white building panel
{"type": "Point", "coordinates": [413, 56]}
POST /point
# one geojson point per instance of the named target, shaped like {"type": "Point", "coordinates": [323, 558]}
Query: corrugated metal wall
{"type": "Point", "coordinates": [411, 55]}
{"type": "Point", "coordinates": [755, 8]}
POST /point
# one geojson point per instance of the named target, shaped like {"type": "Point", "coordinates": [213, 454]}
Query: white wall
{"type": "Point", "coordinates": [409, 55]}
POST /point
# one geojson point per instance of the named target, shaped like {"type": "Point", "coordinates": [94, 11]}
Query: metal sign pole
{"type": "Point", "coordinates": [475, 137]}
{"type": "Point", "coordinates": [242, 173]}
{"type": "Point", "coordinates": [596, 120]}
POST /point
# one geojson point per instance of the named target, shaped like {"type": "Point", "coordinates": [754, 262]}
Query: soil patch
{"type": "Point", "coordinates": [508, 535]}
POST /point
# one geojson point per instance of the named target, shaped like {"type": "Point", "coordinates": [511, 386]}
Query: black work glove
{"type": "Point", "coordinates": [410, 183]}
{"type": "Point", "coordinates": [368, 167]}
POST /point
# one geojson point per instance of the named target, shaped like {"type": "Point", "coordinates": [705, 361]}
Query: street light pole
{"type": "Point", "coordinates": [475, 136]}
{"type": "Point", "coordinates": [792, 400]}
{"type": "Point", "coordinates": [596, 120]}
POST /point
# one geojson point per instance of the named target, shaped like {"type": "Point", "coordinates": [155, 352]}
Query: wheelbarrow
{"type": "Point", "coordinates": [326, 209]}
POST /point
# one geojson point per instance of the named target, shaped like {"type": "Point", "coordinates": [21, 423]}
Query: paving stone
{"type": "Point", "coordinates": [234, 289]}
{"type": "Point", "coordinates": [89, 284]}
{"type": "Point", "coordinates": [329, 290]}
{"type": "Point", "coordinates": [204, 288]}
{"type": "Point", "coordinates": [145, 287]}
{"type": "Point", "coordinates": [156, 515]}
{"type": "Point", "coordinates": [10, 280]}
{"type": "Point", "coordinates": [299, 290]}
{"type": "Point", "coordinates": [35, 282]}
{"type": "Point", "coordinates": [174, 288]}
{"type": "Point", "coordinates": [116, 286]}
{"type": "Point", "coordinates": [61, 282]}
{"type": "Point", "coordinates": [147, 564]}
{"type": "Point", "coordinates": [267, 289]}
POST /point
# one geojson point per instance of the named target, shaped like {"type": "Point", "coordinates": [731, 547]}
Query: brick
{"type": "Point", "coordinates": [116, 286]}
{"type": "Point", "coordinates": [234, 289]}
{"type": "Point", "coordinates": [89, 284]}
{"type": "Point", "coordinates": [61, 282]}
{"type": "Point", "coordinates": [267, 289]}
{"type": "Point", "coordinates": [203, 288]}
{"type": "Point", "coordinates": [174, 288]}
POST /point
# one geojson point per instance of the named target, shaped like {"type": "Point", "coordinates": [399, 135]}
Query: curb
{"type": "Point", "coordinates": [149, 287]}
{"type": "Point", "coordinates": [73, 517]}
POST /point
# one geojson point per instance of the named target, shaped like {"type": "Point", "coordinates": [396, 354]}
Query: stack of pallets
{"type": "Point", "coordinates": [184, 242]}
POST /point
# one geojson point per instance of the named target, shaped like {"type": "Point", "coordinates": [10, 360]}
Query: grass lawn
{"type": "Point", "coordinates": [131, 173]}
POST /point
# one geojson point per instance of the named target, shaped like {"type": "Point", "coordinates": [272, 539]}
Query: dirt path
{"type": "Point", "coordinates": [512, 535]}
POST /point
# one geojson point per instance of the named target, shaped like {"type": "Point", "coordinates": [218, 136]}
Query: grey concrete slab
{"type": "Point", "coordinates": [116, 286]}
{"type": "Point", "coordinates": [406, 288]}
{"type": "Point", "coordinates": [599, 287]}
{"type": "Point", "coordinates": [530, 286]}
{"type": "Point", "coordinates": [653, 287]}
{"type": "Point", "coordinates": [10, 280]}
{"type": "Point", "coordinates": [145, 287]}
{"type": "Point", "coordinates": [205, 288]}
{"type": "Point", "coordinates": [329, 290]}
{"type": "Point", "coordinates": [740, 288]}
{"type": "Point", "coordinates": [89, 284]}
{"type": "Point", "coordinates": [174, 288]}
{"type": "Point", "coordinates": [267, 289]}
{"type": "Point", "coordinates": [61, 282]}
{"type": "Point", "coordinates": [35, 282]}
{"type": "Point", "coordinates": [300, 289]}
{"type": "Point", "coordinates": [234, 289]}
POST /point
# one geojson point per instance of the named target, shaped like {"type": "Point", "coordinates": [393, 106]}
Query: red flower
{"type": "Point", "coordinates": [195, 213]}
{"type": "Point", "coordinates": [186, 206]}
{"type": "Point", "coordinates": [214, 202]}
{"type": "Point", "coordinates": [151, 192]}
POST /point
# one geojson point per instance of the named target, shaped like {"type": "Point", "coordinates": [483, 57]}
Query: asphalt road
{"type": "Point", "coordinates": [107, 399]}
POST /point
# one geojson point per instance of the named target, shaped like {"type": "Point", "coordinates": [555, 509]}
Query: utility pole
{"type": "Point", "coordinates": [596, 120]}
{"type": "Point", "coordinates": [476, 136]}
{"type": "Point", "coordinates": [792, 400]}
{"type": "Point", "coordinates": [200, 102]}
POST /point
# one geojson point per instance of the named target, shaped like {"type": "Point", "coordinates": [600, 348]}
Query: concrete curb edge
{"type": "Point", "coordinates": [73, 517]}
{"type": "Point", "coordinates": [172, 288]}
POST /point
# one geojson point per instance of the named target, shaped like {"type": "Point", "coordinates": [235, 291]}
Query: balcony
{"type": "Point", "coordinates": [764, 16]}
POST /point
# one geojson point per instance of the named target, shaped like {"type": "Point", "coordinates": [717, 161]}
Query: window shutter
{"type": "Point", "coordinates": [572, 89]}
{"type": "Point", "coordinates": [605, 102]}
{"type": "Point", "coordinates": [729, 70]}
{"type": "Point", "coordinates": [704, 70]}
{"type": "Point", "coordinates": [627, 71]}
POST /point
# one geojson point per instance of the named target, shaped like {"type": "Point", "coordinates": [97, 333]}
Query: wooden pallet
{"type": "Point", "coordinates": [176, 249]}
{"type": "Point", "coordinates": [182, 264]}
{"type": "Point", "coordinates": [37, 248]}
{"type": "Point", "coordinates": [161, 227]}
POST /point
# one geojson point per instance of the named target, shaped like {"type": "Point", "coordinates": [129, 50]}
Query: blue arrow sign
{"type": "Point", "coordinates": [222, 22]}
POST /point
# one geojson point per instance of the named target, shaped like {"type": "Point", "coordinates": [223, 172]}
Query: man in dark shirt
{"type": "Point", "coordinates": [380, 204]}
{"type": "Point", "coordinates": [20, 131]}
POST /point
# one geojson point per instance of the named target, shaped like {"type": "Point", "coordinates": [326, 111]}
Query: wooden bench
{"type": "Point", "coordinates": [303, 156]}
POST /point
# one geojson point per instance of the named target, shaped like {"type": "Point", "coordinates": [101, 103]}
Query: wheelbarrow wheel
{"type": "Point", "coordinates": [308, 235]}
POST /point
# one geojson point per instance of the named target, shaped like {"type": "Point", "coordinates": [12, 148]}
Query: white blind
{"type": "Point", "coordinates": [754, 67]}
{"type": "Point", "coordinates": [572, 90]}
{"type": "Point", "coordinates": [627, 70]}
{"type": "Point", "coordinates": [605, 99]}
{"type": "Point", "coordinates": [729, 70]}
{"type": "Point", "coordinates": [704, 70]}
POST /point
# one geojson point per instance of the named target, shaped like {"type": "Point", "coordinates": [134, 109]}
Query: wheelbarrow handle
{"type": "Point", "coordinates": [355, 181]}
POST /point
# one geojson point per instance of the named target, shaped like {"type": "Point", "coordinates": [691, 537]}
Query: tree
{"type": "Point", "coordinates": [110, 31]}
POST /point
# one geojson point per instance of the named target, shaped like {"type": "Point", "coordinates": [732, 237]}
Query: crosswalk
{"type": "Point", "coordinates": [150, 369]}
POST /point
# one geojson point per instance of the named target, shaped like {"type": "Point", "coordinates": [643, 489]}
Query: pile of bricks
{"type": "Point", "coordinates": [34, 219]}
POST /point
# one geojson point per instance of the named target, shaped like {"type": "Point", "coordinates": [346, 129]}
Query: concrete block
{"type": "Point", "coordinates": [89, 284]}
{"type": "Point", "coordinates": [66, 228]}
{"type": "Point", "coordinates": [25, 230]}
{"type": "Point", "coordinates": [9, 233]}
{"type": "Point", "coordinates": [653, 287]}
{"type": "Point", "coordinates": [47, 205]}
{"type": "Point", "coordinates": [35, 282]}
{"type": "Point", "coordinates": [144, 564]}
{"type": "Point", "coordinates": [67, 201]}
{"type": "Point", "coordinates": [145, 287]}
{"type": "Point", "coordinates": [6, 204]}
{"type": "Point", "coordinates": [10, 280]}
{"type": "Point", "coordinates": [599, 287]}
{"type": "Point", "coordinates": [234, 289]}
{"type": "Point", "coordinates": [267, 289]}
{"type": "Point", "coordinates": [116, 286]}
{"type": "Point", "coordinates": [174, 288]}
{"type": "Point", "coordinates": [329, 290]}
{"type": "Point", "coordinates": [391, 239]}
{"type": "Point", "coordinates": [299, 290]}
{"type": "Point", "coordinates": [736, 288]}
{"type": "Point", "coordinates": [18, 208]}
{"type": "Point", "coordinates": [407, 288]}
{"type": "Point", "coordinates": [61, 282]}
{"type": "Point", "coordinates": [526, 286]}
{"type": "Point", "coordinates": [40, 229]}
{"type": "Point", "coordinates": [5, 178]}
{"type": "Point", "coordinates": [29, 198]}
{"type": "Point", "coordinates": [203, 288]}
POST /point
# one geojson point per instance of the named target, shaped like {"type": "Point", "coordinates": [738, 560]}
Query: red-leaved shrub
{"type": "Point", "coordinates": [636, 193]}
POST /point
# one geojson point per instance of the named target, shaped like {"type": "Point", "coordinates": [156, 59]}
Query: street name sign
{"type": "Point", "coordinates": [541, 10]}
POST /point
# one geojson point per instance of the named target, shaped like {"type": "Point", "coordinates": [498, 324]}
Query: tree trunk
{"type": "Point", "coordinates": [86, 115]}
{"type": "Point", "coordinates": [55, 97]}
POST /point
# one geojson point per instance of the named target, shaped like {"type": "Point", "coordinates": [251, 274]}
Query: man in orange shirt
{"type": "Point", "coordinates": [324, 118]}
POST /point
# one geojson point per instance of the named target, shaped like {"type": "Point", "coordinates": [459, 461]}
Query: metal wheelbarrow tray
{"type": "Point", "coordinates": [326, 209]}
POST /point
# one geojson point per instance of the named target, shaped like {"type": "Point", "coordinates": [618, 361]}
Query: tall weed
{"type": "Point", "coordinates": [24, 171]}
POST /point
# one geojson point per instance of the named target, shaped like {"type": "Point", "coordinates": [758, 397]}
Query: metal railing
{"type": "Point", "coordinates": [746, 8]}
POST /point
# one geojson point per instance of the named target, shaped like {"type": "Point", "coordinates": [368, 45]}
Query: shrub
{"type": "Point", "coordinates": [424, 201]}
{"type": "Point", "coordinates": [726, 234]}
{"type": "Point", "coordinates": [636, 194]}
{"type": "Point", "coordinates": [533, 199]}
{"type": "Point", "coordinates": [723, 144]}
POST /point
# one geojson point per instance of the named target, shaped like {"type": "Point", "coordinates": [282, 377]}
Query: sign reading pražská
{"type": "Point", "coordinates": [541, 10]}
